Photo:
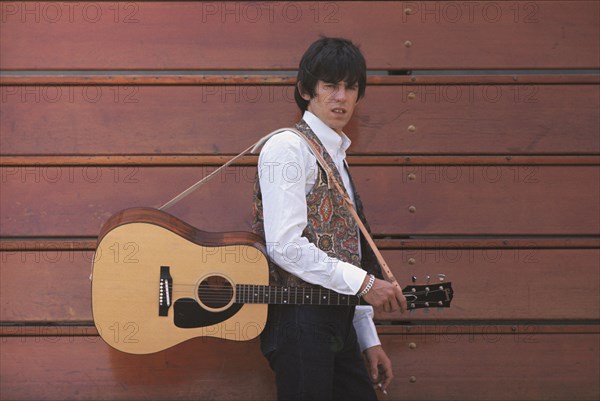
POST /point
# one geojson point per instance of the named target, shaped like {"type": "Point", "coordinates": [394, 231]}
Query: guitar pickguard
{"type": "Point", "coordinates": [188, 314]}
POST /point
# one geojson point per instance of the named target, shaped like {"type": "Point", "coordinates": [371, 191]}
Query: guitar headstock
{"type": "Point", "coordinates": [430, 295]}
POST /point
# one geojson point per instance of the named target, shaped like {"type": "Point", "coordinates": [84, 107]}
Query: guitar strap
{"type": "Point", "coordinates": [330, 179]}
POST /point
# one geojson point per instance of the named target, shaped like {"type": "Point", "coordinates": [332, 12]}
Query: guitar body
{"type": "Point", "coordinates": [148, 277]}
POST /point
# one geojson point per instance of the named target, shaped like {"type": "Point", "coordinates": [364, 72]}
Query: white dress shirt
{"type": "Point", "coordinates": [287, 173]}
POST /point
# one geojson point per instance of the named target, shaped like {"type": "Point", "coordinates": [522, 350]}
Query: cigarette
{"type": "Point", "coordinates": [382, 390]}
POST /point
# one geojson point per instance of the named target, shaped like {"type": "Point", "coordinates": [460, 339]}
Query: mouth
{"type": "Point", "coordinates": [339, 110]}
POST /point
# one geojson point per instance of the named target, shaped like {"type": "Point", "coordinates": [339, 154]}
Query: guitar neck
{"type": "Point", "coordinates": [268, 294]}
{"type": "Point", "coordinates": [417, 296]}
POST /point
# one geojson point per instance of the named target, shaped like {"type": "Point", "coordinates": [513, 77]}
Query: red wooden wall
{"type": "Point", "coordinates": [476, 149]}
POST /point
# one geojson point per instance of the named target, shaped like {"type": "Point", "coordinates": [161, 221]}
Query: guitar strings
{"type": "Point", "coordinates": [228, 290]}
{"type": "Point", "coordinates": [189, 300]}
{"type": "Point", "coordinates": [278, 288]}
{"type": "Point", "coordinates": [226, 293]}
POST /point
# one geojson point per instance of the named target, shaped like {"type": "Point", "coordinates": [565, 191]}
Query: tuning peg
{"type": "Point", "coordinates": [414, 279]}
{"type": "Point", "coordinates": [441, 277]}
{"type": "Point", "coordinates": [427, 279]}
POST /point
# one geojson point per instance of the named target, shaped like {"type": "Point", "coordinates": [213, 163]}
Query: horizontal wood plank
{"type": "Point", "coordinates": [443, 366]}
{"type": "Point", "coordinates": [552, 284]}
{"type": "Point", "coordinates": [203, 369]}
{"type": "Point", "coordinates": [486, 288]}
{"type": "Point", "coordinates": [42, 244]}
{"type": "Point", "coordinates": [422, 328]}
{"type": "Point", "coordinates": [190, 78]}
{"type": "Point", "coordinates": [402, 200]}
{"type": "Point", "coordinates": [486, 366]}
{"type": "Point", "coordinates": [355, 160]}
{"type": "Point", "coordinates": [240, 35]}
{"type": "Point", "coordinates": [211, 120]}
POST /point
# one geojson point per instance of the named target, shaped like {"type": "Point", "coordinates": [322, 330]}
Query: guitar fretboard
{"type": "Point", "coordinates": [267, 294]}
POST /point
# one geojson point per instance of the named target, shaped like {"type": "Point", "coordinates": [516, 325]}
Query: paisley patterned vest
{"type": "Point", "coordinates": [330, 225]}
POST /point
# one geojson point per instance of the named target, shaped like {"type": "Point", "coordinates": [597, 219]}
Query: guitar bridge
{"type": "Point", "coordinates": [165, 291]}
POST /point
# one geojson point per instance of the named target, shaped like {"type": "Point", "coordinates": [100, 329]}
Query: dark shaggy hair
{"type": "Point", "coordinates": [330, 60]}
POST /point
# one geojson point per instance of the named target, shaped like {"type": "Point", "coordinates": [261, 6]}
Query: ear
{"type": "Point", "coordinates": [302, 92]}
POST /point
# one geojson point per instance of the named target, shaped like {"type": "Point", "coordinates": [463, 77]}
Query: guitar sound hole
{"type": "Point", "coordinates": [215, 292]}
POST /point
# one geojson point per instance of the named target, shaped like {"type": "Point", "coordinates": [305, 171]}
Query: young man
{"type": "Point", "coordinates": [313, 241]}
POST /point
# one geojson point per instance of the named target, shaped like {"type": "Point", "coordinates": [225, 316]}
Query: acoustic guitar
{"type": "Point", "coordinates": [157, 281]}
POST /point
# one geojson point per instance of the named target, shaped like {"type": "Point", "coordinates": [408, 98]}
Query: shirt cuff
{"type": "Point", "coordinates": [366, 332]}
{"type": "Point", "coordinates": [347, 278]}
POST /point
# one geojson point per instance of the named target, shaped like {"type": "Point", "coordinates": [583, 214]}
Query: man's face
{"type": "Point", "coordinates": [333, 103]}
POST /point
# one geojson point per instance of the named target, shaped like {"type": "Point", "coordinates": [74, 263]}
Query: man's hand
{"type": "Point", "coordinates": [385, 295]}
{"type": "Point", "coordinates": [379, 367]}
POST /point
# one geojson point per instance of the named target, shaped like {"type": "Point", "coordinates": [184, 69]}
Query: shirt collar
{"type": "Point", "coordinates": [333, 142]}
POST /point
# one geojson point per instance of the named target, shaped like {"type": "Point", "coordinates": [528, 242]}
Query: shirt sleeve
{"type": "Point", "coordinates": [286, 167]}
{"type": "Point", "coordinates": [366, 332]}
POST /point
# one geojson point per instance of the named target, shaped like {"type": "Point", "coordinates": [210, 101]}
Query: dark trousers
{"type": "Point", "coordinates": [314, 353]}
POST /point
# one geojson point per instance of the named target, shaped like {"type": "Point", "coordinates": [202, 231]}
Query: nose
{"type": "Point", "coordinates": [340, 93]}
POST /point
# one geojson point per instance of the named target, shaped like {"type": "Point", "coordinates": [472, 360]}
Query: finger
{"type": "Point", "coordinates": [385, 383]}
{"type": "Point", "coordinates": [402, 302]}
{"type": "Point", "coordinates": [400, 306]}
{"type": "Point", "coordinates": [387, 374]}
{"type": "Point", "coordinates": [373, 370]}
{"type": "Point", "coordinates": [380, 388]}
